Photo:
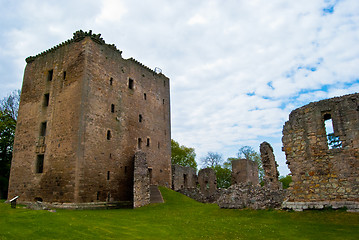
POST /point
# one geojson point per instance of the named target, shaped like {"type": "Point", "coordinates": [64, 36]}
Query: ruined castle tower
{"type": "Point", "coordinates": [84, 112]}
{"type": "Point", "coordinates": [269, 164]}
{"type": "Point", "coordinates": [321, 144]}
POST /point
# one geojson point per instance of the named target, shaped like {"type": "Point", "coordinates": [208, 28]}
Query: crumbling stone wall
{"type": "Point", "coordinates": [269, 165]}
{"type": "Point", "coordinates": [183, 177]}
{"type": "Point", "coordinates": [141, 181]}
{"type": "Point", "coordinates": [243, 171]}
{"type": "Point", "coordinates": [323, 175]}
{"type": "Point", "coordinates": [208, 181]}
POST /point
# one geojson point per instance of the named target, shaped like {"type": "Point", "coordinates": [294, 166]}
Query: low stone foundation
{"type": "Point", "coordinates": [246, 195]}
{"type": "Point", "coordinates": [351, 206]}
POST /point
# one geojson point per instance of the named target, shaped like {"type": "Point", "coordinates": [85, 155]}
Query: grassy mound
{"type": "Point", "coordinates": [178, 218]}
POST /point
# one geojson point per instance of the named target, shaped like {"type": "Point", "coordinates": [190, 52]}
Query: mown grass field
{"type": "Point", "coordinates": [178, 218]}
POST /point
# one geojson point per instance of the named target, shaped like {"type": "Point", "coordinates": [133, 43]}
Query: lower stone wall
{"type": "Point", "coordinates": [351, 206]}
{"type": "Point", "coordinates": [246, 195]}
{"type": "Point", "coordinates": [141, 181]}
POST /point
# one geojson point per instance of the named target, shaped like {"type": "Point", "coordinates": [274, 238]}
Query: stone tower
{"type": "Point", "coordinates": [84, 112]}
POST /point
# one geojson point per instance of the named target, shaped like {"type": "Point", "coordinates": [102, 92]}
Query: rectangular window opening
{"type": "Point", "coordinates": [140, 118]}
{"type": "Point", "coordinates": [332, 140]}
{"type": "Point", "coordinates": [108, 175]}
{"type": "Point", "coordinates": [46, 99]}
{"type": "Point", "coordinates": [158, 145]}
{"type": "Point", "coordinates": [112, 108]}
{"type": "Point", "coordinates": [139, 143]}
{"type": "Point", "coordinates": [108, 134]}
{"type": "Point", "coordinates": [130, 83]}
{"type": "Point", "coordinates": [43, 129]}
{"type": "Point", "coordinates": [40, 163]}
{"type": "Point", "coordinates": [148, 142]}
{"type": "Point", "coordinates": [145, 96]}
{"type": "Point", "coordinates": [50, 75]}
{"type": "Point", "coordinates": [111, 81]}
{"type": "Point", "coordinates": [64, 75]}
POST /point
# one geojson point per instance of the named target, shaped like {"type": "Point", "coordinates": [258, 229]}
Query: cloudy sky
{"type": "Point", "coordinates": [237, 67]}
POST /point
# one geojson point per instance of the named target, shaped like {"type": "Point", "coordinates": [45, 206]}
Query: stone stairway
{"type": "Point", "coordinates": [155, 195]}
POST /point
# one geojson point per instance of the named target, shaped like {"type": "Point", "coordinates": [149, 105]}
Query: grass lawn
{"type": "Point", "coordinates": [178, 218]}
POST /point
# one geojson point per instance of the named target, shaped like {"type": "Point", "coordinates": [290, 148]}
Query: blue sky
{"type": "Point", "coordinates": [237, 68]}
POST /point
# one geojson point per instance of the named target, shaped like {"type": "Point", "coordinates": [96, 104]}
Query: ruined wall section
{"type": "Point", "coordinates": [320, 173]}
{"type": "Point", "coordinates": [208, 181]}
{"type": "Point", "coordinates": [183, 177]}
{"type": "Point", "coordinates": [51, 87]}
{"type": "Point", "coordinates": [141, 181]}
{"type": "Point", "coordinates": [269, 164]}
{"type": "Point", "coordinates": [243, 171]}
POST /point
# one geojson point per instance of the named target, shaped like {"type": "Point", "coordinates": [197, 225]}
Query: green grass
{"type": "Point", "coordinates": [178, 218]}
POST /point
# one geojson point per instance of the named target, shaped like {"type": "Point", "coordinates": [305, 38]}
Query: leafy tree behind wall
{"type": "Point", "coordinates": [183, 155]}
{"type": "Point", "coordinates": [212, 159]}
{"type": "Point", "coordinates": [8, 116]}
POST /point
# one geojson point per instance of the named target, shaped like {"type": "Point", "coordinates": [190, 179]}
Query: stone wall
{"type": "Point", "coordinates": [323, 172]}
{"type": "Point", "coordinates": [243, 171]}
{"type": "Point", "coordinates": [208, 182]}
{"type": "Point", "coordinates": [84, 112]}
{"type": "Point", "coordinates": [141, 181]}
{"type": "Point", "coordinates": [183, 177]}
{"type": "Point", "coordinates": [269, 165]}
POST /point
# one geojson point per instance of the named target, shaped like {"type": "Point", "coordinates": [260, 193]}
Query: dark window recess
{"type": "Point", "coordinates": [108, 175]}
{"type": "Point", "coordinates": [112, 108]}
{"type": "Point", "coordinates": [148, 142]}
{"type": "Point", "coordinates": [145, 96]}
{"type": "Point", "coordinates": [40, 164]}
{"type": "Point", "coordinates": [111, 81]}
{"type": "Point", "coordinates": [50, 75]}
{"type": "Point", "coordinates": [64, 75]}
{"type": "Point", "coordinates": [110, 155]}
{"type": "Point", "coordinates": [108, 134]}
{"type": "Point", "coordinates": [140, 118]}
{"type": "Point", "coordinates": [333, 141]}
{"type": "Point", "coordinates": [130, 83]}
{"type": "Point", "coordinates": [98, 196]}
{"type": "Point", "coordinates": [46, 99]}
{"type": "Point", "coordinates": [43, 129]}
{"type": "Point", "coordinates": [163, 101]}
{"type": "Point", "coordinates": [139, 143]}
{"type": "Point", "coordinates": [158, 145]}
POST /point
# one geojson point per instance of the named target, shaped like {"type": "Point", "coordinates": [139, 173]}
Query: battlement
{"type": "Point", "coordinates": [77, 37]}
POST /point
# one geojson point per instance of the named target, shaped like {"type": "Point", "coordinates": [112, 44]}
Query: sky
{"type": "Point", "coordinates": [237, 68]}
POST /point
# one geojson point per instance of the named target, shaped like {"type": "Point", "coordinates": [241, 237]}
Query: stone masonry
{"type": "Point", "coordinates": [84, 112]}
{"type": "Point", "coordinates": [243, 171]}
{"type": "Point", "coordinates": [183, 177]}
{"type": "Point", "coordinates": [208, 182]}
{"type": "Point", "coordinates": [324, 161]}
{"type": "Point", "coordinates": [141, 181]}
{"type": "Point", "coordinates": [269, 164]}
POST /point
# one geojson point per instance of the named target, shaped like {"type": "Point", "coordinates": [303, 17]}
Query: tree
{"type": "Point", "coordinates": [223, 175]}
{"type": "Point", "coordinates": [183, 155]}
{"type": "Point", "coordinates": [9, 107]}
{"type": "Point", "coordinates": [285, 181]}
{"type": "Point", "coordinates": [212, 159]}
{"type": "Point", "coordinates": [248, 152]}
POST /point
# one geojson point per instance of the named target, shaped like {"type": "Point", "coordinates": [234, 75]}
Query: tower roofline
{"type": "Point", "coordinates": [77, 37]}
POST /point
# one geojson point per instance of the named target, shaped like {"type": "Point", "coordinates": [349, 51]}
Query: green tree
{"type": "Point", "coordinates": [8, 115]}
{"type": "Point", "coordinates": [212, 159]}
{"type": "Point", "coordinates": [183, 155]}
{"type": "Point", "coordinates": [223, 175]}
{"type": "Point", "coordinates": [249, 153]}
{"type": "Point", "coordinates": [285, 181]}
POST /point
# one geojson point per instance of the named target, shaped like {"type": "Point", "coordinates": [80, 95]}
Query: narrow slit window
{"type": "Point", "coordinates": [111, 81]}
{"type": "Point", "coordinates": [112, 108]}
{"type": "Point", "coordinates": [64, 75]}
{"type": "Point", "coordinates": [139, 143]}
{"type": "Point", "coordinates": [108, 134]}
{"type": "Point", "coordinates": [145, 96]}
{"type": "Point", "coordinates": [43, 129]}
{"type": "Point", "coordinates": [40, 163]}
{"type": "Point", "coordinates": [130, 83]}
{"type": "Point", "coordinates": [140, 118]}
{"type": "Point", "coordinates": [46, 99]}
{"type": "Point", "coordinates": [332, 140]}
{"type": "Point", "coordinates": [148, 142]}
{"type": "Point", "coordinates": [163, 101]}
{"type": "Point", "coordinates": [50, 75]}
{"type": "Point", "coordinates": [158, 145]}
{"type": "Point", "coordinates": [108, 175]}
